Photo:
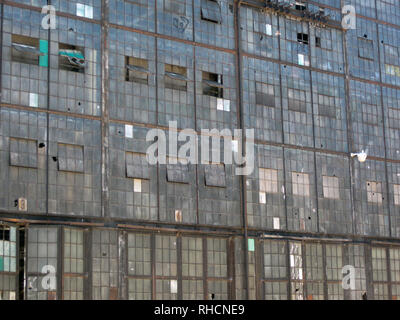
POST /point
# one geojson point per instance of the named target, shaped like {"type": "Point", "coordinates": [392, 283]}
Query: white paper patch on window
{"type": "Point", "coordinates": [83, 10]}
{"type": "Point", "coordinates": [220, 104]}
{"type": "Point", "coordinates": [227, 105]}
{"type": "Point", "coordinates": [263, 198]}
{"type": "Point", "coordinates": [268, 29]}
{"type": "Point", "coordinates": [88, 12]}
{"type": "Point", "coordinates": [128, 131]}
{"type": "Point", "coordinates": [235, 146]}
{"type": "Point", "coordinates": [137, 185]}
{"type": "Point", "coordinates": [301, 59]}
{"type": "Point", "coordinates": [277, 224]}
{"type": "Point", "coordinates": [33, 100]}
{"type": "Point", "coordinates": [174, 286]}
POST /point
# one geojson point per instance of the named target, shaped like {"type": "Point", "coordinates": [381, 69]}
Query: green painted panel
{"type": "Point", "coordinates": [44, 48]}
{"type": "Point", "coordinates": [1, 264]}
{"type": "Point", "coordinates": [251, 245]}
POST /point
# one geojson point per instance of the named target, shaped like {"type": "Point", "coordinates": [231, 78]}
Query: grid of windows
{"type": "Point", "coordinates": [73, 267]}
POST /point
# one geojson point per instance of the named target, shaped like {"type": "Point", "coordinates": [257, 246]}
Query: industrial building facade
{"type": "Point", "coordinates": [83, 215]}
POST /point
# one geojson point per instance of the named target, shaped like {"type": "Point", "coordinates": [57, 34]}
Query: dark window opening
{"type": "Point", "coordinates": [211, 11]}
{"type": "Point", "coordinates": [21, 271]}
{"type": "Point", "coordinates": [4, 234]}
{"type": "Point", "coordinates": [213, 84]}
{"type": "Point", "coordinates": [318, 42]}
{"type": "Point", "coordinates": [302, 38]}
{"type": "Point", "coordinates": [300, 6]}
{"type": "Point", "coordinates": [71, 58]}
{"type": "Point", "coordinates": [25, 50]}
{"type": "Point", "coordinates": [175, 77]}
{"type": "Point", "coordinates": [137, 70]}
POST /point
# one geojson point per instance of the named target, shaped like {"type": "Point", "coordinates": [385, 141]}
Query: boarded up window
{"type": "Point", "coordinates": [301, 184]}
{"type": "Point", "coordinates": [331, 187]}
{"type": "Point", "coordinates": [215, 175]}
{"type": "Point", "coordinates": [178, 172]}
{"type": "Point", "coordinates": [137, 70]}
{"type": "Point", "coordinates": [211, 11]}
{"type": "Point", "coordinates": [175, 77]}
{"type": "Point", "coordinates": [265, 95]}
{"type": "Point", "coordinates": [23, 153]}
{"type": "Point", "coordinates": [26, 49]}
{"type": "Point", "coordinates": [365, 48]}
{"type": "Point", "coordinates": [374, 192]}
{"type": "Point", "coordinates": [137, 166]}
{"type": "Point", "coordinates": [297, 100]}
{"type": "Point", "coordinates": [70, 158]}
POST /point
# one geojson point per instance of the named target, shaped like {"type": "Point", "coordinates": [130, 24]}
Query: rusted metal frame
{"type": "Point", "coordinates": [153, 265]}
{"type": "Point", "coordinates": [87, 249]}
{"type": "Point", "coordinates": [231, 268]}
{"type": "Point", "coordinates": [205, 269]}
{"type": "Point", "coordinates": [324, 275]}
{"type": "Point", "coordinates": [240, 111]}
{"type": "Point", "coordinates": [349, 128]}
{"type": "Point", "coordinates": [288, 270]}
{"type": "Point", "coordinates": [384, 129]}
{"type": "Point", "coordinates": [48, 117]}
{"type": "Point", "coordinates": [389, 273]}
{"type": "Point", "coordinates": [105, 158]}
{"type": "Point", "coordinates": [122, 264]}
{"type": "Point", "coordinates": [179, 265]}
{"type": "Point", "coordinates": [368, 271]}
{"type": "Point", "coordinates": [259, 269]}
{"type": "Point", "coordinates": [60, 263]}
{"type": "Point", "coordinates": [314, 136]}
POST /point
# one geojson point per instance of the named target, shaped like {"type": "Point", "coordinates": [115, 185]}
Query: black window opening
{"type": "Point", "coordinates": [4, 233]}
{"type": "Point", "coordinates": [213, 84]}
{"type": "Point", "coordinates": [211, 11]}
{"type": "Point", "coordinates": [137, 70]}
{"type": "Point", "coordinates": [71, 58]}
{"type": "Point", "coordinates": [25, 49]}
{"type": "Point", "coordinates": [175, 77]}
{"type": "Point", "coordinates": [318, 42]}
{"type": "Point", "coordinates": [302, 38]}
{"type": "Point", "coordinates": [300, 6]}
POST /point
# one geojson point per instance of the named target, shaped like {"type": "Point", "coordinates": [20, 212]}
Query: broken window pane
{"type": "Point", "coordinates": [137, 70]}
{"type": "Point", "coordinates": [26, 49]}
{"type": "Point", "coordinates": [23, 153]}
{"type": "Point", "coordinates": [212, 84]}
{"type": "Point", "coordinates": [175, 77]}
{"type": "Point", "coordinates": [70, 158]}
{"type": "Point", "coordinates": [71, 58]}
{"type": "Point", "coordinates": [215, 175]}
